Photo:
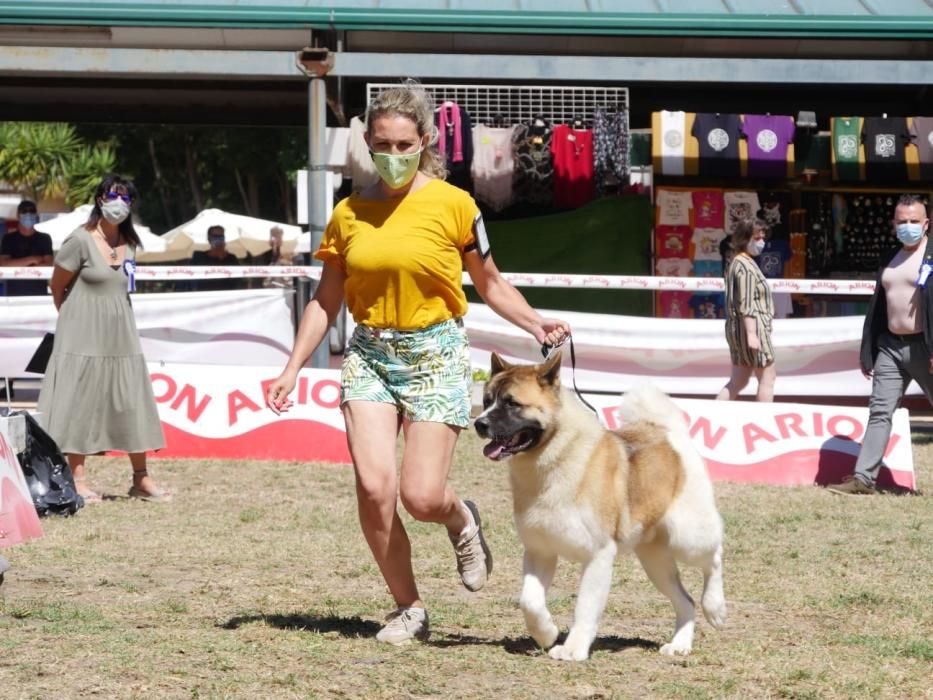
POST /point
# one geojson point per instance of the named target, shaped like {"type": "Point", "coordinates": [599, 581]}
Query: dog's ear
{"type": "Point", "coordinates": [549, 371]}
{"type": "Point", "coordinates": [497, 364]}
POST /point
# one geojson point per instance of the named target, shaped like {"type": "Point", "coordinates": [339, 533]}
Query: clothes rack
{"type": "Point", "coordinates": [515, 104]}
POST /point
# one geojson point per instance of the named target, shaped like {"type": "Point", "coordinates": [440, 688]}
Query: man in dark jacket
{"type": "Point", "coordinates": [897, 338]}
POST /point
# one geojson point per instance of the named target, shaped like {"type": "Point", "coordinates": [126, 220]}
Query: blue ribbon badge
{"type": "Point", "coordinates": [925, 270]}
{"type": "Point", "coordinates": [129, 269]}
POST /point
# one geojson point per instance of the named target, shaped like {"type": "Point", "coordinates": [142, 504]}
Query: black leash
{"type": "Point", "coordinates": [546, 351]}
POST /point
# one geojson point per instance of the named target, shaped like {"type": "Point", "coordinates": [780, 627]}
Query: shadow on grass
{"type": "Point", "coordinates": [356, 627]}
{"type": "Point", "coordinates": [526, 646]}
{"type": "Point", "coordinates": [322, 624]}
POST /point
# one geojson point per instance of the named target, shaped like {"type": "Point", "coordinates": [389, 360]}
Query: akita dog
{"type": "Point", "coordinates": [585, 493]}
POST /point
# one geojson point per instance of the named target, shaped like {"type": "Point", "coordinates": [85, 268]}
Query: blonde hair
{"type": "Point", "coordinates": [412, 101]}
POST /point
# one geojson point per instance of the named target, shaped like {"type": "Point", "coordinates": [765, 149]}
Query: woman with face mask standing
{"type": "Point", "coordinates": [96, 395]}
{"type": "Point", "coordinates": [749, 313]}
{"type": "Point", "coordinates": [396, 252]}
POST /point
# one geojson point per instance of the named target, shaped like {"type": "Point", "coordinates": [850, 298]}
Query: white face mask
{"type": "Point", "coordinates": [115, 211]}
{"type": "Point", "coordinates": [754, 248]}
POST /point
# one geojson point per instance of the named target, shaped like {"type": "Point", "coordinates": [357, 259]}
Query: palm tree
{"type": "Point", "coordinates": [49, 159]}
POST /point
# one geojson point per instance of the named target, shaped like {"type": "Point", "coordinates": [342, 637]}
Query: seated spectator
{"type": "Point", "coordinates": [216, 256]}
{"type": "Point", "coordinates": [26, 247]}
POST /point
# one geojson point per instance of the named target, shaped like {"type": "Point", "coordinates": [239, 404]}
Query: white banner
{"type": "Point", "coordinates": [242, 327]}
{"type": "Point", "coordinates": [213, 411]}
{"type": "Point", "coordinates": [815, 356]}
{"type": "Point", "coordinates": [782, 443]}
{"type": "Point", "coordinates": [519, 279]}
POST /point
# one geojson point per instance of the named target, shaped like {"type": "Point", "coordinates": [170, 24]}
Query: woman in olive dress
{"type": "Point", "coordinates": [96, 395]}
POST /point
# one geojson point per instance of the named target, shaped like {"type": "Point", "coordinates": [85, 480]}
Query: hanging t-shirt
{"type": "Point", "coordinates": [673, 267]}
{"type": "Point", "coordinates": [672, 241]}
{"type": "Point", "coordinates": [718, 138]}
{"type": "Point", "coordinates": [455, 143]}
{"type": "Point", "coordinates": [768, 138]}
{"type": "Point", "coordinates": [772, 258]}
{"type": "Point", "coordinates": [493, 165]}
{"type": "Point", "coordinates": [708, 306]}
{"type": "Point", "coordinates": [610, 149]}
{"type": "Point", "coordinates": [674, 304]}
{"type": "Point", "coordinates": [534, 168]}
{"type": "Point", "coordinates": [674, 208]}
{"type": "Point", "coordinates": [708, 209]}
{"type": "Point", "coordinates": [572, 150]}
{"type": "Point", "coordinates": [706, 243]}
{"type": "Point", "coordinates": [740, 205]}
{"type": "Point", "coordinates": [359, 167]}
{"type": "Point", "coordinates": [707, 268]}
{"type": "Point", "coordinates": [673, 136]}
{"type": "Point", "coordinates": [846, 137]}
{"type": "Point", "coordinates": [774, 208]}
{"type": "Point", "coordinates": [796, 267]}
{"type": "Point", "coordinates": [922, 133]}
{"type": "Point", "coordinates": [884, 140]}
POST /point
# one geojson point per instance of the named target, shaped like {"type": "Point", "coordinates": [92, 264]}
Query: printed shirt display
{"type": "Point", "coordinates": [610, 148]}
{"type": "Point", "coordinates": [708, 306]}
{"type": "Point", "coordinates": [846, 137]}
{"type": "Point", "coordinates": [772, 258]}
{"type": "Point", "coordinates": [884, 140]}
{"type": "Point", "coordinates": [718, 138]}
{"type": "Point", "coordinates": [674, 208]}
{"type": "Point", "coordinates": [673, 136]}
{"type": "Point", "coordinates": [922, 132]}
{"type": "Point", "coordinates": [768, 139]}
{"type": "Point", "coordinates": [572, 150]}
{"type": "Point", "coordinates": [493, 165]}
{"type": "Point", "coordinates": [708, 209]}
{"type": "Point", "coordinates": [774, 207]}
{"type": "Point", "coordinates": [534, 169]}
{"type": "Point", "coordinates": [672, 241]}
{"type": "Point", "coordinates": [706, 243]}
{"type": "Point", "coordinates": [674, 304]}
{"type": "Point", "coordinates": [673, 267]}
{"type": "Point", "coordinates": [740, 205]}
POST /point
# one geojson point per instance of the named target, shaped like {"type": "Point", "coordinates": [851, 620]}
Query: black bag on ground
{"type": "Point", "coordinates": [47, 473]}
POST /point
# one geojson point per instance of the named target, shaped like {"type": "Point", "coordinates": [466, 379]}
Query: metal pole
{"type": "Point", "coordinates": [317, 188]}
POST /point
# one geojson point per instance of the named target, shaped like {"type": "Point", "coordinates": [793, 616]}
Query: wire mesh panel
{"type": "Point", "coordinates": [512, 104]}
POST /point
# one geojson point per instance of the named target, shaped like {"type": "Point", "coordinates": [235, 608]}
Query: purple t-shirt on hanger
{"type": "Point", "coordinates": [768, 138]}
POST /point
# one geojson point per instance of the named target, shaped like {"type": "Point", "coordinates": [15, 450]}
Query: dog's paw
{"type": "Point", "coordinates": [676, 649]}
{"type": "Point", "coordinates": [716, 614]}
{"type": "Point", "coordinates": [546, 637]}
{"type": "Point", "coordinates": [563, 652]}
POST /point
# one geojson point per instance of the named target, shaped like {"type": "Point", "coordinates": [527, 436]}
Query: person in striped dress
{"type": "Point", "coordinates": [749, 312]}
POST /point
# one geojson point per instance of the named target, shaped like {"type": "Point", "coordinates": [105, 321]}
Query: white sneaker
{"type": "Point", "coordinates": [474, 560]}
{"type": "Point", "coordinates": [404, 625]}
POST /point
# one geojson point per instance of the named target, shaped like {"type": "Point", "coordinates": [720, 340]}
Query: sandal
{"type": "Point", "coordinates": [157, 496]}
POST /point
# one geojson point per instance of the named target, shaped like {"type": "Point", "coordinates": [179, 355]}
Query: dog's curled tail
{"type": "Point", "coordinates": [646, 402]}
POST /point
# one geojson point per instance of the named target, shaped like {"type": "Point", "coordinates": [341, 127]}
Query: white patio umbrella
{"type": "Point", "coordinates": [154, 248]}
{"type": "Point", "coordinates": [244, 234]}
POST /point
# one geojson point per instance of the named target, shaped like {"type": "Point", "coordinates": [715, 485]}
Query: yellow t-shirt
{"type": "Point", "coordinates": [403, 258]}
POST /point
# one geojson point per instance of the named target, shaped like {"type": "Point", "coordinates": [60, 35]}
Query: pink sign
{"type": "Point", "coordinates": [782, 443]}
{"type": "Point", "coordinates": [219, 411]}
{"type": "Point", "coordinates": [18, 518]}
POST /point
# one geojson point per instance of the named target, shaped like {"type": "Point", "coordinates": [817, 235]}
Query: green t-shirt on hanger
{"type": "Point", "coordinates": [847, 137]}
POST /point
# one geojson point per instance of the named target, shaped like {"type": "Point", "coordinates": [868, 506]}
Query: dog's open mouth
{"type": "Point", "coordinates": [506, 446]}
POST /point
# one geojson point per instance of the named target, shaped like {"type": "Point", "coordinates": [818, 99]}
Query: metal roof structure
{"type": "Point", "coordinates": [763, 18]}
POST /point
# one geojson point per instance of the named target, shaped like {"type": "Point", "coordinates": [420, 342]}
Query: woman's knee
{"type": "Point", "coordinates": [422, 504]}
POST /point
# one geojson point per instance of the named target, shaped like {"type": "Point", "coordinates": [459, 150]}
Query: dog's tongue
{"type": "Point", "coordinates": [494, 450]}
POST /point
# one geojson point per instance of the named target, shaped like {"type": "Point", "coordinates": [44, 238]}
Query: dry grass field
{"type": "Point", "coordinates": [256, 583]}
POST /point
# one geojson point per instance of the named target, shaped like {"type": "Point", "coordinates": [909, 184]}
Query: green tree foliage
{"type": "Point", "coordinates": [50, 160]}
{"type": "Point", "coordinates": [180, 170]}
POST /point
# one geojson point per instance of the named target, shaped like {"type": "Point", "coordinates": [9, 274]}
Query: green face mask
{"type": "Point", "coordinates": [397, 171]}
